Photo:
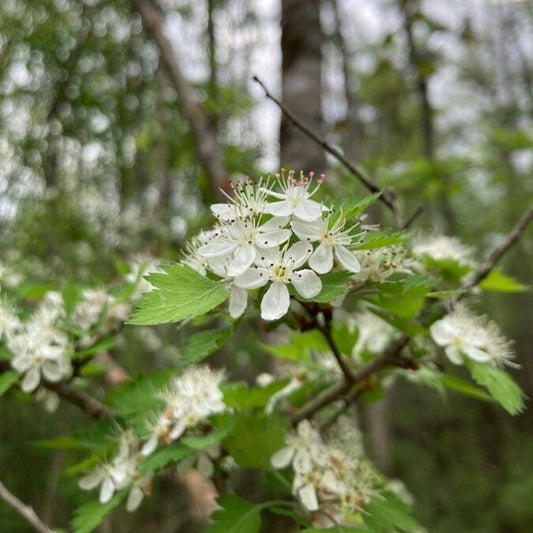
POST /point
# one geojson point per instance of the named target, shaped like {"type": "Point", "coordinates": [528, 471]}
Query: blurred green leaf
{"type": "Point", "coordinates": [91, 514]}
{"type": "Point", "coordinates": [236, 516]}
{"type": "Point", "coordinates": [500, 282]}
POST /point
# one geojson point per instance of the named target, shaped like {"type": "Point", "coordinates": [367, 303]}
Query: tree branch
{"type": "Point", "coordinates": [206, 145]}
{"type": "Point", "coordinates": [499, 251]}
{"type": "Point", "coordinates": [387, 197]}
{"type": "Point", "coordinates": [326, 332]}
{"type": "Point", "coordinates": [23, 510]}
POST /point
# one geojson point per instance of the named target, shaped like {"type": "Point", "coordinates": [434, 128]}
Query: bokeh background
{"type": "Point", "coordinates": [100, 161]}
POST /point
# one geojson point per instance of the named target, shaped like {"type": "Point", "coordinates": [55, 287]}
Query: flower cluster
{"type": "Point", "coordinates": [189, 399]}
{"type": "Point", "coordinates": [323, 473]}
{"type": "Point", "coordinates": [119, 473]}
{"type": "Point", "coordinates": [463, 334]}
{"type": "Point", "coordinates": [443, 248]}
{"type": "Point", "coordinates": [274, 235]}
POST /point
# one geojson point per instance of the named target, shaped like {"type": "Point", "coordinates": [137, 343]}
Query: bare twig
{"type": "Point", "coordinates": [499, 251]}
{"type": "Point", "coordinates": [346, 370]}
{"type": "Point", "coordinates": [387, 197]}
{"type": "Point", "coordinates": [416, 213]}
{"type": "Point", "coordinates": [23, 510]}
{"type": "Point", "coordinates": [207, 148]}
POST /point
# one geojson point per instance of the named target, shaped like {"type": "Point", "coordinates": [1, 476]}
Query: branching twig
{"type": "Point", "coordinates": [25, 511]}
{"type": "Point", "coordinates": [346, 370]}
{"type": "Point", "coordinates": [499, 251]}
{"type": "Point", "coordinates": [386, 197]}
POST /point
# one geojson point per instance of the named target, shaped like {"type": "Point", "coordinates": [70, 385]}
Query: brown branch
{"type": "Point", "coordinates": [23, 510]}
{"type": "Point", "coordinates": [326, 332]}
{"type": "Point", "coordinates": [499, 251]}
{"type": "Point", "coordinates": [387, 197]}
{"type": "Point", "coordinates": [206, 145]}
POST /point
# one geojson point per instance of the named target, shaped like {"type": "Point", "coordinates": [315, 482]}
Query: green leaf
{"type": "Point", "coordinates": [99, 346]}
{"type": "Point", "coordinates": [7, 379]}
{"type": "Point", "coordinates": [388, 512]}
{"type": "Point", "coordinates": [500, 385]}
{"type": "Point", "coordinates": [459, 385]}
{"type": "Point", "coordinates": [165, 456]}
{"type": "Point", "coordinates": [336, 529]}
{"type": "Point", "coordinates": [198, 346]}
{"type": "Point", "coordinates": [66, 443]}
{"type": "Point", "coordinates": [91, 514]}
{"type": "Point", "coordinates": [255, 438]}
{"type": "Point", "coordinates": [334, 284]}
{"type": "Point", "coordinates": [180, 293]}
{"type": "Point", "coordinates": [236, 516]}
{"type": "Point", "coordinates": [353, 207]}
{"type": "Point", "coordinates": [299, 346]}
{"type": "Point", "coordinates": [380, 239]}
{"type": "Point", "coordinates": [223, 424]}
{"type": "Point", "coordinates": [500, 282]}
{"type": "Point", "coordinates": [241, 396]}
{"type": "Point", "coordinates": [344, 338]}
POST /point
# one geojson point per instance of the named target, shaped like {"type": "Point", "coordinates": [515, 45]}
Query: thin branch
{"type": "Point", "coordinates": [206, 145]}
{"type": "Point", "coordinates": [499, 251]}
{"type": "Point", "coordinates": [416, 213]}
{"type": "Point", "coordinates": [346, 370]}
{"type": "Point", "coordinates": [387, 197]}
{"type": "Point", "coordinates": [23, 510]}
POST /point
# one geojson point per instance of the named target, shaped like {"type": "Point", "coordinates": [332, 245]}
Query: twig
{"type": "Point", "coordinates": [347, 400]}
{"type": "Point", "coordinates": [25, 511]}
{"type": "Point", "coordinates": [346, 370]}
{"type": "Point", "coordinates": [499, 251]}
{"type": "Point", "coordinates": [207, 148]}
{"type": "Point", "coordinates": [386, 197]}
{"type": "Point", "coordinates": [416, 213]}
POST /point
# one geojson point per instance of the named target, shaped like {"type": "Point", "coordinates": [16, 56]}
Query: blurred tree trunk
{"type": "Point", "coordinates": [301, 43]}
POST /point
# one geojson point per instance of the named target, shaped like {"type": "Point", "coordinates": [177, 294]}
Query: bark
{"type": "Point", "coordinates": [301, 42]}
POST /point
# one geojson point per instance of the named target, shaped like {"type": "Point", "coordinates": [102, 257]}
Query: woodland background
{"type": "Point", "coordinates": [119, 120]}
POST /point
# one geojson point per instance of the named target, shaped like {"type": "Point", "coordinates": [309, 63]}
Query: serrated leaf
{"type": "Point", "coordinates": [91, 514]}
{"type": "Point", "coordinates": [500, 282]}
{"type": "Point", "coordinates": [344, 338]}
{"type": "Point", "coordinates": [380, 239]}
{"type": "Point", "coordinates": [180, 293]}
{"type": "Point", "coordinates": [202, 344]}
{"type": "Point", "coordinates": [299, 346]}
{"type": "Point", "coordinates": [244, 397]}
{"type": "Point", "coordinates": [7, 379]}
{"type": "Point", "coordinates": [255, 438]}
{"type": "Point", "coordinates": [500, 385]}
{"type": "Point", "coordinates": [388, 513]}
{"type": "Point", "coordinates": [223, 424]}
{"type": "Point", "coordinates": [165, 456]}
{"type": "Point", "coordinates": [459, 385]}
{"type": "Point", "coordinates": [353, 207]}
{"type": "Point", "coordinates": [236, 516]}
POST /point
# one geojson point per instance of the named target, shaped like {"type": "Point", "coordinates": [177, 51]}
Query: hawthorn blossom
{"type": "Point", "coordinates": [334, 241]}
{"type": "Point", "coordinates": [295, 198]}
{"type": "Point", "coordinates": [89, 310]}
{"type": "Point", "coordinates": [461, 334]}
{"type": "Point", "coordinates": [441, 248]}
{"type": "Point", "coordinates": [249, 200]}
{"type": "Point", "coordinates": [9, 322]}
{"type": "Point", "coordinates": [281, 268]}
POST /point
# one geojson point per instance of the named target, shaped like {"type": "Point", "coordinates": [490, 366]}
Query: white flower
{"type": "Point", "coordinates": [249, 200]}
{"type": "Point", "coordinates": [461, 334]}
{"type": "Point", "coordinates": [9, 322]}
{"type": "Point", "coordinates": [201, 461]}
{"type": "Point", "coordinates": [295, 198]}
{"type": "Point", "coordinates": [333, 240]}
{"type": "Point", "coordinates": [374, 333]}
{"type": "Point", "coordinates": [281, 268]}
{"type": "Point", "coordinates": [241, 240]}
{"type": "Point", "coordinates": [300, 447]}
{"type": "Point", "coordinates": [89, 310]}
{"type": "Point", "coordinates": [441, 248]}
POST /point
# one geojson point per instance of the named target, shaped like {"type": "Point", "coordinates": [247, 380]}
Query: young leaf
{"type": "Point", "coordinates": [180, 293]}
{"type": "Point", "coordinates": [380, 239]}
{"type": "Point", "coordinates": [255, 438]}
{"type": "Point", "coordinates": [7, 379]}
{"type": "Point", "coordinates": [300, 345]}
{"type": "Point", "coordinates": [198, 346]}
{"type": "Point", "coordinates": [101, 345]}
{"type": "Point", "coordinates": [500, 282]}
{"type": "Point", "coordinates": [241, 396]}
{"type": "Point", "coordinates": [164, 456]}
{"type": "Point", "coordinates": [236, 516]}
{"type": "Point", "coordinates": [388, 513]}
{"type": "Point", "coordinates": [352, 207]}
{"type": "Point", "coordinates": [91, 514]}
{"type": "Point", "coordinates": [500, 385]}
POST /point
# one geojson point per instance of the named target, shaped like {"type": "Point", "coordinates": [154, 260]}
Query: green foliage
{"type": "Point", "coordinates": [300, 345]}
{"type": "Point", "coordinates": [202, 344]}
{"type": "Point", "coordinates": [500, 282]}
{"type": "Point", "coordinates": [335, 529]}
{"type": "Point", "coordinates": [165, 456]}
{"type": "Point", "coordinates": [387, 513]}
{"type": "Point", "coordinates": [7, 379]}
{"type": "Point", "coordinates": [91, 514]}
{"type": "Point", "coordinates": [500, 385]}
{"type": "Point", "coordinates": [242, 396]}
{"type": "Point", "coordinates": [353, 207]}
{"type": "Point", "coordinates": [236, 516]}
{"type": "Point", "coordinates": [180, 293]}
{"type": "Point", "coordinates": [380, 239]}
{"type": "Point", "coordinates": [255, 438]}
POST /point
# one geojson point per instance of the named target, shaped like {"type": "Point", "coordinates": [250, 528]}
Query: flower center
{"type": "Point", "coordinates": [281, 273]}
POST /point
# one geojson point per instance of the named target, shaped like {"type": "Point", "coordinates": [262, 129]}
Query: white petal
{"type": "Point", "coordinates": [150, 445]}
{"type": "Point", "coordinates": [282, 458]}
{"type": "Point", "coordinates": [441, 332]}
{"type": "Point", "coordinates": [252, 278]}
{"type": "Point", "coordinates": [242, 261]}
{"type": "Point", "coordinates": [481, 356]}
{"type": "Point", "coordinates": [275, 302]}
{"type": "Point", "coordinates": [298, 253]}
{"type": "Point", "coordinates": [91, 480]}
{"type": "Point", "coordinates": [224, 212]}
{"type": "Point", "coordinates": [308, 497]}
{"type": "Point", "coordinates": [21, 363]}
{"type": "Point", "coordinates": [238, 299]}
{"type": "Point", "coordinates": [308, 210]}
{"type": "Point", "coordinates": [205, 465]}
{"type": "Point", "coordinates": [321, 259]}
{"type": "Point", "coordinates": [272, 238]}
{"type": "Point", "coordinates": [279, 209]}
{"type": "Point", "coordinates": [52, 371]}
{"type": "Point", "coordinates": [347, 259]}
{"type": "Point", "coordinates": [178, 429]}
{"type": "Point", "coordinates": [135, 497]}
{"type": "Point", "coordinates": [217, 249]}
{"type": "Point", "coordinates": [31, 380]}
{"type": "Point", "coordinates": [275, 223]}
{"type": "Point", "coordinates": [107, 490]}
{"type": "Point", "coordinates": [308, 231]}
{"type": "Point", "coordinates": [306, 282]}
{"type": "Point", "coordinates": [454, 355]}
